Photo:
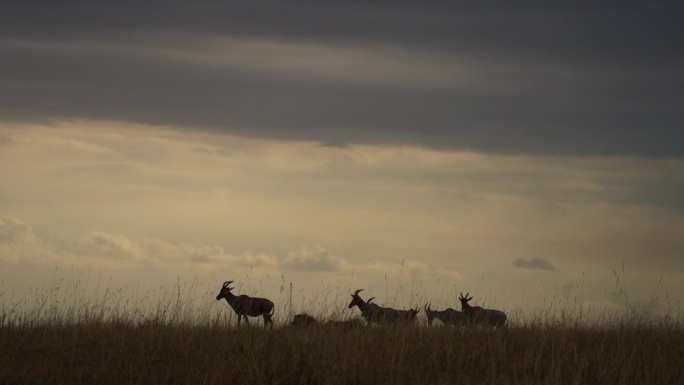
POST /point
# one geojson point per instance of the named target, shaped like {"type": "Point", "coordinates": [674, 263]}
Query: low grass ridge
{"type": "Point", "coordinates": [121, 352]}
{"type": "Point", "coordinates": [177, 336]}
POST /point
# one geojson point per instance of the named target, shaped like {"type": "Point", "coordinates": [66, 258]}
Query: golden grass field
{"type": "Point", "coordinates": [121, 353]}
{"type": "Point", "coordinates": [109, 341]}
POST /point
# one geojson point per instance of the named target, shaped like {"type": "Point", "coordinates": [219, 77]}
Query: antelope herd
{"type": "Point", "coordinates": [245, 306]}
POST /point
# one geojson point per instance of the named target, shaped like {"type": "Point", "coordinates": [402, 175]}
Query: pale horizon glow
{"type": "Point", "coordinates": [149, 205]}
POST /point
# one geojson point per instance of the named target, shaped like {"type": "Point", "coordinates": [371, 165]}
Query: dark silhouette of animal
{"type": "Point", "coordinates": [378, 314]}
{"type": "Point", "coordinates": [479, 316]}
{"type": "Point", "coordinates": [410, 314]}
{"type": "Point", "coordinates": [448, 316]}
{"type": "Point", "coordinates": [247, 306]}
{"type": "Point", "coordinates": [364, 307]}
{"type": "Point", "coordinates": [304, 320]}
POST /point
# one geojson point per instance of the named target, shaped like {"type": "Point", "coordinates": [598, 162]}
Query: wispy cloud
{"type": "Point", "coordinates": [13, 230]}
{"type": "Point", "coordinates": [534, 263]}
{"type": "Point", "coordinates": [313, 259]}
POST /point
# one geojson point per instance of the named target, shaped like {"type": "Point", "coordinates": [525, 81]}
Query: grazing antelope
{"type": "Point", "coordinates": [374, 313]}
{"type": "Point", "coordinates": [478, 315]}
{"type": "Point", "coordinates": [304, 320]}
{"type": "Point", "coordinates": [247, 306]}
{"type": "Point", "coordinates": [410, 314]}
{"type": "Point", "coordinates": [448, 316]}
{"type": "Point", "coordinates": [387, 314]}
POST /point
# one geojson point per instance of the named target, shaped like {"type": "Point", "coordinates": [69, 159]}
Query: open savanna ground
{"type": "Point", "coordinates": [114, 352]}
{"type": "Point", "coordinates": [66, 334]}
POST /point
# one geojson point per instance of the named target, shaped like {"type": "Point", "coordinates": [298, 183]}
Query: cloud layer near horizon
{"type": "Point", "coordinates": [146, 200]}
{"type": "Point", "coordinates": [118, 252]}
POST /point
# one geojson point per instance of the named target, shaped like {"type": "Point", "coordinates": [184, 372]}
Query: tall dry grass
{"type": "Point", "coordinates": [121, 353]}
{"type": "Point", "coordinates": [58, 335]}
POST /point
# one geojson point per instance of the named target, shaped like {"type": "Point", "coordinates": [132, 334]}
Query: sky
{"type": "Point", "coordinates": [529, 154]}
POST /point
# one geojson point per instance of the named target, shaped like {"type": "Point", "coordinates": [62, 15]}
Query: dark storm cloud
{"type": "Point", "coordinates": [534, 263]}
{"type": "Point", "coordinates": [549, 79]}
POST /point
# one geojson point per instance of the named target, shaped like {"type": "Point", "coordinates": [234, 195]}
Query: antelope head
{"type": "Point", "coordinates": [225, 290]}
{"type": "Point", "coordinates": [355, 299]}
{"type": "Point", "coordinates": [464, 300]}
{"type": "Point", "coordinates": [412, 313]}
{"type": "Point", "coordinates": [428, 313]}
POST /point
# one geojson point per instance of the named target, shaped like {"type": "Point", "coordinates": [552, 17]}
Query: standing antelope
{"type": "Point", "coordinates": [247, 306]}
{"type": "Point", "coordinates": [374, 313]}
{"type": "Point", "coordinates": [478, 315]}
{"type": "Point", "coordinates": [448, 316]}
{"type": "Point", "coordinates": [365, 307]}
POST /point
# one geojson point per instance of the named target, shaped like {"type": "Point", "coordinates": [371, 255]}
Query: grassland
{"type": "Point", "coordinates": [122, 353]}
{"type": "Point", "coordinates": [173, 340]}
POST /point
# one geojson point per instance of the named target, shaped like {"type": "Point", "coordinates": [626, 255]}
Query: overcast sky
{"type": "Point", "coordinates": [415, 149]}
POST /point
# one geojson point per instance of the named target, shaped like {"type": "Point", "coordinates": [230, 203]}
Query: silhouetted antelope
{"type": "Point", "coordinates": [247, 306]}
{"type": "Point", "coordinates": [410, 314]}
{"type": "Point", "coordinates": [304, 320]}
{"type": "Point", "coordinates": [364, 306]}
{"type": "Point", "coordinates": [478, 315]}
{"type": "Point", "coordinates": [448, 316]}
{"type": "Point", "coordinates": [374, 313]}
{"type": "Point", "coordinates": [387, 314]}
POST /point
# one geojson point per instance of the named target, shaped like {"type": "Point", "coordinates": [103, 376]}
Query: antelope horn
{"type": "Point", "coordinates": [357, 292]}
